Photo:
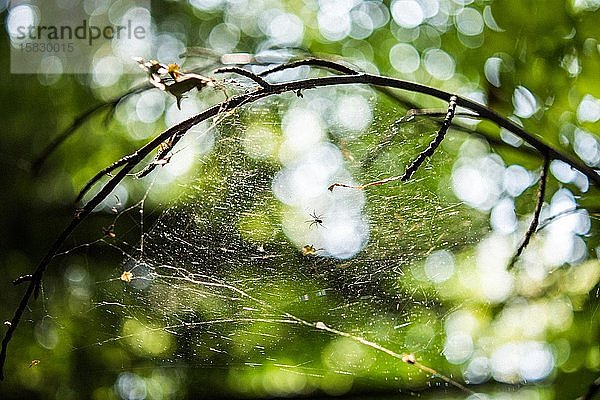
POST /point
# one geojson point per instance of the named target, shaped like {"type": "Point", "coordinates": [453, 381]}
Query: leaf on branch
{"type": "Point", "coordinates": [171, 79]}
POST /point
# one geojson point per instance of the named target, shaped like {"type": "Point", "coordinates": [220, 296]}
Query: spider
{"type": "Point", "coordinates": [316, 220]}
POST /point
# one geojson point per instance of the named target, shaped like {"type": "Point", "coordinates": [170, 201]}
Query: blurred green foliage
{"type": "Point", "coordinates": [222, 253]}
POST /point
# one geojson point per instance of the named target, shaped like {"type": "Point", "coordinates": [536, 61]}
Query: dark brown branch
{"type": "Point", "coordinates": [244, 72]}
{"type": "Point", "coordinates": [536, 213]}
{"type": "Point", "coordinates": [488, 136]}
{"type": "Point", "coordinates": [135, 158]}
{"type": "Point", "coordinates": [132, 160]}
{"type": "Point", "coordinates": [414, 166]}
{"type": "Point", "coordinates": [417, 162]}
{"type": "Point", "coordinates": [100, 174]}
{"type": "Point", "coordinates": [82, 118]}
{"type": "Point", "coordinates": [312, 62]}
{"type": "Point", "coordinates": [592, 391]}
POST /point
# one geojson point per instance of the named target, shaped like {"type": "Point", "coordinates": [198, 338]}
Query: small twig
{"type": "Point", "coordinates": [414, 166]}
{"type": "Point", "coordinates": [593, 389]}
{"type": "Point", "coordinates": [100, 174]}
{"type": "Point", "coordinates": [165, 151]}
{"type": "Point", "coordinates": [84, 117]}
{"type": "Point", "coordinates": [21, 279]}
{"type": "Point", "coordinates": [554, 217]}
{"type": "Point", "coordinates": [433, 113]}
{"type": "Point", "coordinates": [536, 214]}
{"type": "Point", "coordinates": [312, 62]}
{"type": "Point", "coordinates": [244, 72]}
{"type": "Point", "coordinates": [591, 211]}
{"type": "Point", "coordinates": [488, 136]}
{"type": "Point", "coordinates": [161, 158]}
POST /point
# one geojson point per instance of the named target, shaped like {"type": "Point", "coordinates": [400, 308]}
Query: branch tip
{"type": "Point", "coordinates": [359, 187]}
{"type": "Point", "coordinates": [536, 213]}
{"type": "Point", "coordinates": [312, 62]}
{"type": "Point", "coordinates": [244, 72]}
{"type": "Point", "coordinates": [21, 279]}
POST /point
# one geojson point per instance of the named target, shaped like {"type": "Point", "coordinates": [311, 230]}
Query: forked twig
{"type": "Point", "coordinates": [100, 174]}
{"type": "Point", "coordinates": [414, 166]}
{"type": "Point", "coordinates": [536, 213]}
{"type": "Point", "coordinates": [237, 70]}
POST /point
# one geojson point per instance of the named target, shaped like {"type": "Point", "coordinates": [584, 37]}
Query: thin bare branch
{"type": "Point", "coordinates": [591, 211]}
{"type": "Point", "coordinates": [592, 391]}
{"type": "Point", "coordinates": [244, 72]}
{"type": "Point", "coordinates": [86, 116]}
{"type": "Point", "coordinates": [409, 116]}
{"type": "Point", "coordinates": [162, 157]}
{"type": "Point", "coordinates": [417, 162]}
{"type": "Point", "coordinates": [312, 62]}
{"type": "Point", "coordinates": [100, 174]}
{"type": "Point", "coordinates": [536, 213]}
{"type": "Point", "coordinates": [21, 279]}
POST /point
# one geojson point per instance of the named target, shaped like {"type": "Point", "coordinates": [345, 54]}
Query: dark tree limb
{"type": "Point", "coordinates": [133, 159]}
{"type": "Point", "coordinates": [592, 391]}
{"type": "Point", "coordinates": [536, 213]}
{"type": "Point", "coordinates": [84, 117]}
{"type": "Point", "coordinates": [476, 131]}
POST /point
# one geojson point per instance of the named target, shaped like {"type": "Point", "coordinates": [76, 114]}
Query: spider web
{"type": "Point", "coordinates": [236, 289]}
{"type": "Point", "coordinates": [236, 277]}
